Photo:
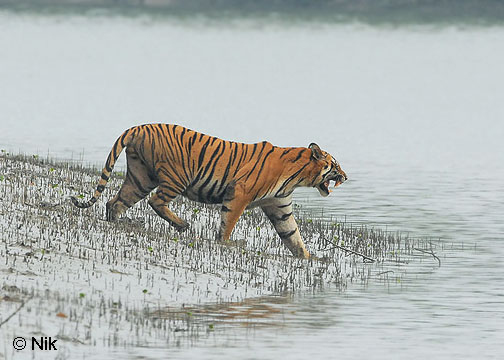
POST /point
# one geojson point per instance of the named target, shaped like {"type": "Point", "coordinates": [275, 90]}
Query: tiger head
{"type": "Point", "coordinates": [326, 169]}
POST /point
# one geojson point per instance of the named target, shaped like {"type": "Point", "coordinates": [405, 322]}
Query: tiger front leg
{"type": "Point", "coordinates": [235, 202]}
{"type": "Point", "coordinates": [280, 215]}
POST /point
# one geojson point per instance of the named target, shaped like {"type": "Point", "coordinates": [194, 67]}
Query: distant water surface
{"type": "Point", "coordinates": [397, 12]}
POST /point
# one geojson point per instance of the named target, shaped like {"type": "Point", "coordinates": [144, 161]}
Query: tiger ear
{"type": "Point", "coordinates": [315, 151]}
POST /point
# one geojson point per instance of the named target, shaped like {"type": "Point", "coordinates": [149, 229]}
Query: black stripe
{"type": "Point", "coordinates": [292, 177]}
{"type": "Point", "coordinates": [149, 133]}
{"type": "Point", "coordinates": [253, 151]}
{"type": "Point", "coordinates": [163, 196]}
{"type": "Point", "coordinates": [100, 188]}
{"type": "Point", "coordinates": [212, 157]}
{"type": "Point", "coordinates": [243, 153]}
{"type": "Point", "coordinates": [166, 186]}
{"type": "Point", "coordinates": [257, 193]}
{"type": "Point", "coordinates": [107, 166]}
{"type": "Point", "coordinates": [284, 217]}
{"type": "Point", "coordinates": [275, 219]}
{"type": "Point", "coordinates": [138, 184]}
{"type": "Point", "coordinates": [225, 208]}
{"type": "Point", "coordinates": [192, 166]}
{"type": "Point", "coordinates": [123, 136]}
{"type": "Point", "coordinates": [229, 193]}
{"type": "Point", "coordinates": [114, 150]}
{"type": "Point", "coordinates": [189, 146]}
{"type": "Point", "coordinates": [284, 206]}
{"type": "Point", "coordinates": [210, 193]}
{"type": "Point", "coordinates": [262, 166]}
{"type": "Point", "coordinates": [181, 150]}
{"type": "Point", "coordinates": [226, 173]}
{"type": "Point", "coordinates": [285, 152]}
{"type": "Point", "coordinates": [299, 155]}
{"type": "Point", "coordinates": [193, 140]}
{"type": "Point", "coordinates": [202, 152]}
{"type": "Point", "coordinates": [271, 186]}
{"type": "Point", "coordinates": [139, 195]}
{"type": "Point", "coordinates": [235, 152]}
{"type": "Point", "coordinates": [286, 234]}
{"type": "Point", "coordinates": [104, 177]}
{"type": "Point", "coordinates": [170, 139]}
{"type": "Point", "coordinates": [172, 142]}
{"type": "Point", "coordinates": [210, 176]}
{"type": "Point", "coordinates": [257, 162]}
{"type": "Point", "coordinates": [119, 198]}
{"type": "Point", "coordinates": [172, 179]}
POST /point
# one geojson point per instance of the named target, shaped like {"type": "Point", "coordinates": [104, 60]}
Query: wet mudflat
{"type": "Point", "coordinates": [69, 274]}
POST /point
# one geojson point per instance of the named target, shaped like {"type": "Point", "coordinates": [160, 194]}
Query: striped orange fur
{"type": "Point", "coordinates": [179, 161]}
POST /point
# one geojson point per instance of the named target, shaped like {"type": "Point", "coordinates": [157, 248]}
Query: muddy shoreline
{"type": "Point", "coordinates": [68, 273]}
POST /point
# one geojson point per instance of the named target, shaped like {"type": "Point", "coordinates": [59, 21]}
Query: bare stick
{"type": "Point", "coordinates": [15, 312]}
{"type": "Point", "coordinates": [335, 246]}
{"type": "Point", "coordinates": [431, 252]}
{"type": "Point", "coordinates": [384, 272]}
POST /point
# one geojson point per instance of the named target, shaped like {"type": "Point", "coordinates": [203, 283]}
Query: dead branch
{"type": "Point", "coordinates": [431, 252]}
{"type": "Point", "coordinates": [347, 250]}
{"type": "Point", "coordinates": [15, 312]}
{"type": "Point", "coordinates": [384, 272]}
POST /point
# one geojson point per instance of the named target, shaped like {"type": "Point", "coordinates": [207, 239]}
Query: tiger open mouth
{"type": "Point", "coordinates": [323, 187]}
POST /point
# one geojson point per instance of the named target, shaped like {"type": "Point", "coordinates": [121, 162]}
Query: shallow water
{"type": "Point", "coordinates": [413, 114]}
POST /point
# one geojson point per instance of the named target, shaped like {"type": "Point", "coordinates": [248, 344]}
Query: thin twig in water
{"type": "Point", "coordinates": [335, 246]}
{"type": "Point", "coordinates": [15, 312]}
{"type": "Point", "coordinates": [384, 272]}
{"type": "Point", "coordinates": [431, 252]}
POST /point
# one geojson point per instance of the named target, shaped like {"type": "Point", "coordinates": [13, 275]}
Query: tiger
{"type": "Point", "coordinates": [178, 161]}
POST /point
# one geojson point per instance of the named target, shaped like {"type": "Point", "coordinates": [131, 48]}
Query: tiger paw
{"type": "Point", "coordinates": [323, 259]}
{"type": "Point", "coordinates": [181, 227]}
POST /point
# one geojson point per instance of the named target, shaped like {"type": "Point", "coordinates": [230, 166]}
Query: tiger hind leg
{"type": "Point", "coordinates": [171, 184]}
{"type": "Point", "coordinates": [159, 202]}
{"type": "Point", "coordinates": [137, 185]}
{"type": "Point", "coordinates": [280, 215]}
